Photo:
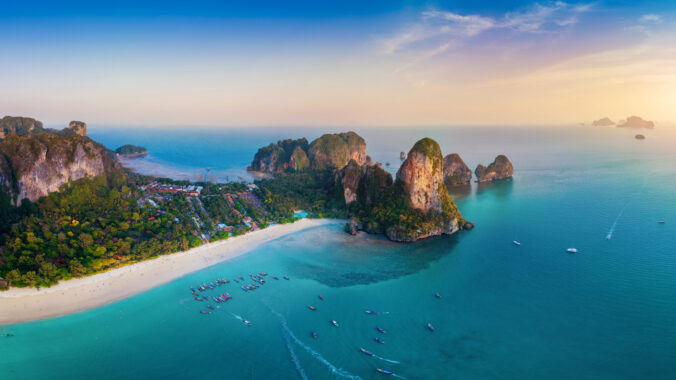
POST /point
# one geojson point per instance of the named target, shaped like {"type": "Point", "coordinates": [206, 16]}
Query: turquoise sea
{"type": "Point", "coordinates": [505, 312]}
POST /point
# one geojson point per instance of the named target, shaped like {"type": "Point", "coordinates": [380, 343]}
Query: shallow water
{"type": "Point", "coordinates": [531, 312]}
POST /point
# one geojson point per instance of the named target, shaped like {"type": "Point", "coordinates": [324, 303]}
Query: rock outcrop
{"type": "Point", "coordinates": [78, 127]}
{"type": "Point", "coordinates": [500, 168]}
{"type": "Point", "coordinates": [636, 122]}
{"type": "Point", "coordinates": [374, 181]}
{"type": "Point", "coordinates": [422, 175]}
{"type": "Point", "coordinates": [336, 150]}
{"type": "Point", "coordinates": [285, 154]}
{"type": "Point", "coordinates": [350, 177]}
{"type": "Point", "coordinates": [605, 122]}
{"type": "Point", "coordinates": [19, 125]}
{"type": "Point", "coordinates": [32, 166]}
{"type": "Point", "coordinates": [421, 180]}
{"type": "Point", "coordinates": [456, 172]}
{"type": "Point", "coordinates": [330, 151]}
{"type": "Point", "coordinates": [25, 126]}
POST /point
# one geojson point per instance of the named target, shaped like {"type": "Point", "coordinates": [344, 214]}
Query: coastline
{"type": "Point", "coordinates": [72, 296]}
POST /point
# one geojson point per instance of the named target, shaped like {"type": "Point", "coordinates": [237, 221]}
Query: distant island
{"type": "Point", "coordinates": [500, 168]}
{"type": "Point", "coordinates": [639, 137]}
{"type": "Point", "coordinates": [636, 122]}
{"type": "Point", "coordinates": [630, 122]}
{"type": "Point", "coordinates": [131, 151]}
{"type": "Point", "coordinates": [605, 122]}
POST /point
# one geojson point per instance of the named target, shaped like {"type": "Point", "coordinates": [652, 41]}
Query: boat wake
{"type": "Point", "coordinates": [288, 333]}
{"type": "Point", "coordinates": [387, 360]}
{"type": "Point", "coordinates": [612, 228]}
{"type": "Point", "coordinates": [294, 358]}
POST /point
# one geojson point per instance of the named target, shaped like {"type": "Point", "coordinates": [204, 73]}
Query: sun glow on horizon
{"type": "Point", "coordinates": [537, 63]}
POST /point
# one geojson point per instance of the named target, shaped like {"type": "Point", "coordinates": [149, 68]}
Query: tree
{"type": "Point", "coordinates": [13, 276]}
{"type": "Point", "coordinates": [76, 268]}
{"type": "Point", "coordinates": [86, 240]}
{"type": "Point", "coordinates": [30, 278]}
{"type": "Point", "coordinates": [49, 272]}
{"type": "Point", "coordinates": [99, 251]}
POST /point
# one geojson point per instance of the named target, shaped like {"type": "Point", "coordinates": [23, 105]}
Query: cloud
{"type": "Point", "coordinates": [650, 18]}
{"type": "Point", "coordinates": [566, 22]}
{"type": "Point", "coordinates": [533, 19]}
{"type": "Point", "coordinates": [440, 26]}
{"type": "Point", "coordinates": [469, 25]}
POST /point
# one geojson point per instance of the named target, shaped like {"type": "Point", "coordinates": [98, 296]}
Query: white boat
{"type": "Point", "coordinates": [516, 243]}
{"type": "Point", "coordinates": [572, 250]}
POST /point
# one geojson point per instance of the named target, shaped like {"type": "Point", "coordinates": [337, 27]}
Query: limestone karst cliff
{"type": "Point", "coordinates": [330, 151]}
{"type": "Point", "coordinates": [500, 168]}
{"type": "Point", "coordinates": [285, 154]}
{"type": "Point", "coordinates": [456, 172]}
{"type": "Point", "coordinates": [34, 165]}
{"type": "Point", "coordinates": [422, 175]}
{"type": "Point", "coordinates": [336, 150]}
{"type": "Point", "coordinates": [413, 207]}
{"type": "Point", "coordinates": [27, 125]}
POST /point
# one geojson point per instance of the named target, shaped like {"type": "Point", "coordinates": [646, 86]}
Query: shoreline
{"type": "Point", "coordinates": [79, 294]}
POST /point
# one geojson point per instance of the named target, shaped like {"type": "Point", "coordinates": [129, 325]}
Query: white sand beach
{"type": "Point", "coordinates": [20, 305]}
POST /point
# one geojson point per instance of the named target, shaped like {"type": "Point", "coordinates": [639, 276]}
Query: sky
{"type": "Point", "coordinates": [337, 63]}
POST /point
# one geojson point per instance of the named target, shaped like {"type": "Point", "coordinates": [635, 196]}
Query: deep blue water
{"type": "Point", "coordinates": [527, 312]}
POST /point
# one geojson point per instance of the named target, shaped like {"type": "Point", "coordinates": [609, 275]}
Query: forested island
{"type": "Point", "coordinates": [131, 151]}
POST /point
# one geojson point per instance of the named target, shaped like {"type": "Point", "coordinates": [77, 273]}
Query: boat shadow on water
{"type": "Point", "coordinates": [334, 258]}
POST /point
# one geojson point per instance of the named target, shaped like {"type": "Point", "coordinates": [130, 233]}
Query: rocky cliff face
{"type": "Point", "coordinates": [456, 172]}
{"type": "Point", "coordinates": [636, 122]}
{"type": "Point", "coordinates": [299, 160]}
{"type": "Point", "coordinates": [422, 175]}
{"type": "Point", "coordinates": [500, 168]}
{"type": "Point", "coordinates": [78, 127]}
{"type": "Point", "coordinates": [374, 181]}
{"type": "Point", "coordinates": [350, 177]}
{"type": "Point", "coordinates": [336, 150]}
{"type": "Point", "coordinates": [276, 158]}
{"type": "Point", "coordinates": [19, 125]}
{"type": "Point", "coordinates": [26, 126]}
{"type": "Point", "coordinates": [330, 151]}
{"type": "Point", "coordinates": [421, 180]}
{"type": "Point", "coordinates": [35, 165]}
{"type": "Point", "coordinates": [605, 122]}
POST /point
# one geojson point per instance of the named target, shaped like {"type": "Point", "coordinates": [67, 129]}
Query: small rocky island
{"type": "Point", "coordinates": [636, 122]}
{"type": "Point", "coordinates": [414, 206]}
{"type": "Point", "coordinates": [131, 151]}
{"type": "Point", "coordinates": [605, 122]}
{"type": "Point", "coordinates": [500, 168]}
{"type": "Point", "coordinates": [456, 172]}
{"type": "Point", "coordinates": [639, 137]}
